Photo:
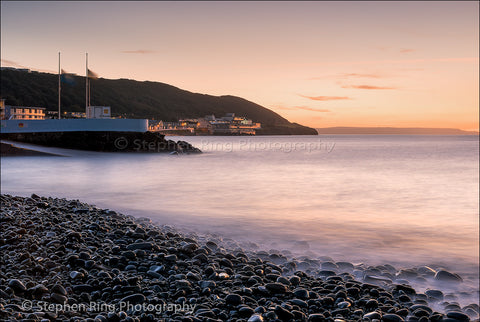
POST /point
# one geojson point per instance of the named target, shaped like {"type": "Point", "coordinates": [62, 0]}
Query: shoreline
{"type": "Point", "coordinates": [9, 150]}
{"type": "Point", "coordinates": [78, 253]}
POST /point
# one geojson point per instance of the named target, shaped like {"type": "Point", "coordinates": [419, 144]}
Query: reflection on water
{"type": "Point", "coordinates": [377, 199]}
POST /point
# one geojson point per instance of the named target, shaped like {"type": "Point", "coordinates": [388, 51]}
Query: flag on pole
{"type": "Point", "coordinates": [92, 75]}
{"type": "Point", "coordinates": [67, 78]}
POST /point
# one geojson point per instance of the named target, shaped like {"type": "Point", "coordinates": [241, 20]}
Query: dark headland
{"type": "Point", "coordinates": [135, 99]}
{"type": "Point", "coordinates": [68, 261]}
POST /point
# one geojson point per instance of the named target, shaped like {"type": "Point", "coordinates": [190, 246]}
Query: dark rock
{"type": "Point", "coordinates": [283, 314]}
{"type": "Point", "coordinates": [372, 316]}
{"type": "Point", "coordinates": [255, 318]}
{"type": "Point", "coordinates": [233, 299]}
{"type": "Point", "coordinates": [446, 276]}
{"type": "Point", "coordinates": [82, 288]}
{"type": "Point", "coordinates": [435, 294]}
{"type": "Point", "coordinates": [458, 316]}
{"type": "Point", "coordinates": [58, 298]}
{"type": "Point", "coordinates": [17, 286]}
{"type": "Point", "coordinates": [392, 318]}
{"type": "Point", "coordinates": [144, 246]}
{"type": "Point", "coordinates": [276, 287]}
{"type": "Point", "coordinates": [316, 317]}
{"type": "Point", "coordinates": [301, 293]}
{"type": "Point", "coordinates": [134, 299]}
{"type": "Point", "coordinates": [59, 289]}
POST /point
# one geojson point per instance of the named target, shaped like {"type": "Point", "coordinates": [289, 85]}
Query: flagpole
{"type": "Point", "coordinates": [86, 85]}
{"type": "Point", "coordinates": [59, 86]}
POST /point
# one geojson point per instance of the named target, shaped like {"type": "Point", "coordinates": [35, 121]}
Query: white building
{"type": "Point", "coordinates": [98, 112]}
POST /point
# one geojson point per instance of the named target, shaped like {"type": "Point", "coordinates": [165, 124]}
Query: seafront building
{"type": "Point", "coordinates": [208, 125]}
{"type": "Point", "coordinates": [8, 112]}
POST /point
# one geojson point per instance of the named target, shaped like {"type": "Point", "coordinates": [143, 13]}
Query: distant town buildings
{"type": "Point", "coordinates": [65, 115]}
{"type": "Point", "coordinates": [230, 124]}
{"type": "Point", "coordinates": [208, 125]}
{"type": "Point", "coordinates": [8, 112]}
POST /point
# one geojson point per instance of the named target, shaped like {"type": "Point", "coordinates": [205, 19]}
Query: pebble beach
{"type": "Point", "coordinates": [68, 260]}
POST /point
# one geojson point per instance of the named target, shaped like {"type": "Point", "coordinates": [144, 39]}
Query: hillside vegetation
{"type": "Point", "coordinates": [134, 99]}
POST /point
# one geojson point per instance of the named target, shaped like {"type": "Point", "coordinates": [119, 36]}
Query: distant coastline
{"type": "Point", "coordinates": [394, 131]}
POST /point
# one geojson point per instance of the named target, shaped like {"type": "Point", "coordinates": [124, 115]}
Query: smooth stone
{"type": "Point", "coordinates": [209, 284]}
{"type": "Point", "coordinates": [17, 286]}
{"type": "Point", "coordinates": [428, 271]}
{"type": "Point", "coordinates": [345, 266]}
{"type": "Point", "coordinates": [171, 258]}
{"type": "Point", "coordinates": [276, 287]}
{"type": "Point", "coordinates": [415, 307]}
{"type": "Point", "coordinates": [283, 280]}
{"type": "Point", "coordinates": [295, 280]}
{"type": "Point", "coordinates": [301, 293]}
{"type": "Point", "coordinates": [376, 279]}
{"type": "Point", "coordinates": [76, 275]}
{"type": "Point", "coordinates": [144, 246]}
{"type": "Point", "coordinates": [246, 311]}
{"type": "Point", "coordinates": [283, 314]}
{"type": "Point", "coordinates": [300, 303]}
{"type": "Point", "coordinates": [59, 289]}
{"type": "Point", "coordinates": [458, 316]}
{"type": "Point", "coordinates": [154, 274]}
{"type": "Point", "coordinates": [82, 288]}
{"type": "Point", "coordinates": [371, 304]}
{"type": "Point", "coordinates": [329, 266]}
{"type": "Point", "coordinates": [233, 299]}
{"type": "Point", "coordinates": [58, 298]}
{"type": "Point", "coordinates": [316, 317]}
{"type": "Point", "coordinates": [104, 275]}
{"type": "Point", "coordinates": [420, 312]}
{"type": "Point", "coordinates": [436, 294]}
{"type": "Point", "coordinates": [193, 276]}
{"type": "Point", "coordinates": [255, 318]}
{"type": "Point", "coordinates": [189, 248]}
{"type": "Point", "coordinates": [392, 318]}
{"type": "Point", "coordinates": [134, 298]}
{"type": "Point", "coordinates": [344, 304]}
{"type": "Point", "coordinates": [445, 276]}
{"type": "Point", "coordinates": [38, 289]}
{"type": "Point", "coordinates": [407, 289]}
{"type": "Point", "coordinates": [372, 316]}
{"type": "Point", "coordinates": [183, 284]}
{"type": "Point", "coordinates": [157, 268]}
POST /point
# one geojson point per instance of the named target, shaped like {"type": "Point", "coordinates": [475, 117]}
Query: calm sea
{"type": "Point", "coordinates": [406, 200]}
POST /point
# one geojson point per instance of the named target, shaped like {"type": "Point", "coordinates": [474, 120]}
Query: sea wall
{"type": "Point", "coordinates": [73, 125]}
{"type": "Point", "coordinates": [103, 141]}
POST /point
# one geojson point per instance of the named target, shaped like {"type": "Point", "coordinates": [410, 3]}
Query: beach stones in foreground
{"type": "Point", "coordinates": [66, 252]}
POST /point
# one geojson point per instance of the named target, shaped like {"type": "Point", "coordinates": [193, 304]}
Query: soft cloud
{"type": "Point", "coordinates": [306, 108]}
{"type": "Point", "coordinates": [349, 75]}
{"type": "Point", "coordinates": [326, 98]}
{"type": "Point", "coordinates": [406, 51]}
{"type": "Point", "coordinates": [11, 63]}
{"type": "Point", "coordinates": [138, 51]}
{"type": "Point", "coordinates": [367, 87]}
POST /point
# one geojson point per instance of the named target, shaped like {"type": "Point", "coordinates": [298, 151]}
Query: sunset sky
{"type": "Point", "coordinates": [321, 64]}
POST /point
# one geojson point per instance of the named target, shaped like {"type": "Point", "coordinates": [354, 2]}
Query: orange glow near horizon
{"type": "Point", "coordinates": [332, 64]}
